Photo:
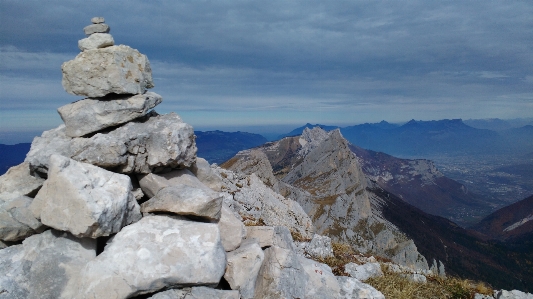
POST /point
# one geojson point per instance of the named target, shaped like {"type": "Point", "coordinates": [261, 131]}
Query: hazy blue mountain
{"type": "Point", "coordinates": [218, 146]}
{"type": "Point", "coordinates": [299, 131]}
{"type": "Point", "coordinates": [494, 124]}
{"type": "Point", "coordinates": [11, 155]}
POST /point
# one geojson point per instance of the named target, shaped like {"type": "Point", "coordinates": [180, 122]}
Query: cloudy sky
{"type": "Point", "coordinates": [223, 64]}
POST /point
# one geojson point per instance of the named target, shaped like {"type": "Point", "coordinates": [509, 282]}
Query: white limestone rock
{"type": "Point", "coordinates": [209, 293]}
{"type": "Point", "coordinates": [92, 115]}
{"type": "Point", "coordinates": [278, 236]}
{"type": "Point", "coordinates": [97, 20]}
{"type": "Point", "coordinates": [243, 266]}
{"type": "Point", "coordinates": [85, 200]}
{"type": "Point", "coordinates": [363, 272]}
{"type": "Point", "coordinates": [232, 230]}
{"type": "Point", "coordinates": [155, 253]}
{"type": "Point", "coordinates": [18, 181]}
{"type": "Point", "coordinates": [96, 41]}
{"type": "Point", "coordinates": [322, 283]}
{"type": "Point", "coordinates": [96, 28]}
{"type": "Point", "coordinates": [281, 275]}
{"type": "Point", "coordinates": [415, 277]}
{"type": "Point", "coordinates": [16, 220]}
{"type": "Point", "coordinates": [152, 183]}
{"type": "Point", "coordinates": [42, 266]}
{"type": "Point", "coordinates": [99, 72]}
{"type": "Point", "coordinates": [149, 144]}
{"type": "Point", "coordinates": [196, 293]}
{"type": "Point", "coordinates": [481, 296]}
{"type": "Point", "coordinates": [206, 174]}
{"type": "Point", "coordinates": [351, 288]}
{"type": "Point", "coordinates": [185, 200]}
{"type": "Point", "coordinates": [514, 294]}
{"type": "Point", "coordinates": [254, 201]}
{"type": "Point", "coordinates": [319, 247]}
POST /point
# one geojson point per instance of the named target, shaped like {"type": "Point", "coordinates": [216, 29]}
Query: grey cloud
{"type": "Point", "coordinates": [427, 58]}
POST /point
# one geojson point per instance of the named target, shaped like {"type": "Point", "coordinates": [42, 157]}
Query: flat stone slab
{"type": "Point", "coordinates": [97, 20]}
{"type": "Point", "coordinates": [96, 41]}
{"type": "Point", "coordinates": [92, 115]}
{"type": "Point", "coordinates": [155, 253]}
{"type": "Point", "coordinates": [86, 200]}
{"type": "Point", "coordinates": [99, 72]}
{"type": "Point", "coordinates": [96, 28]}
{"type": "Point", "coordinates": [185, 200]}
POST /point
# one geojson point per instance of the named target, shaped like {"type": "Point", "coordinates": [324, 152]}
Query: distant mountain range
{"type": "Point", "coordinates": [423, 138]}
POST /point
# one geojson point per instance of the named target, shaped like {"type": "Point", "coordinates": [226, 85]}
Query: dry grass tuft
{"type": "Point", "coordinates": [396, 286]}
{"type": "Point", "coordinates": [342, 255]}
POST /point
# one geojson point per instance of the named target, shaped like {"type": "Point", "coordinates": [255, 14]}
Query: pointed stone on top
{"type": "Point", "coordinates": [97, 20]}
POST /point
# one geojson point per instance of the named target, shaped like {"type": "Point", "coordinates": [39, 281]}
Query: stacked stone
{"type": "Point", "coordinates": [72, 224]}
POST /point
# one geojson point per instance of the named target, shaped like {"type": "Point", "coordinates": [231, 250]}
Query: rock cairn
{"type": "Point", "coordinates": [114, 203]}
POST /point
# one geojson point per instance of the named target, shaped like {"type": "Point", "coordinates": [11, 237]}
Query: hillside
{"type": "Point", "coordinates": [218, 146]}
{"type": "Point", "coordinates": [509, 223]}
{"type": "Point", "coordinates": [422, 185]}
{"type": "Point", "coordinates": [319, 171]}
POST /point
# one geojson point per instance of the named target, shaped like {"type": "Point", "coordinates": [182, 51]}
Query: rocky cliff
{"type": "Point", "coordinates": [320, 172]}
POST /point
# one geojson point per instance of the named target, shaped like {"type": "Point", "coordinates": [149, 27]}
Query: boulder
{"type": "Point", "coordinates": [242, 268]}
{"type": "Point", "coordinates": [149, 144]}
{"type": "Point", "coordinates": [152, 183]}
{"type": "Point", "coordinates": [155, 253]}
{"type": "Point", "coordinates": [42, 266]}
{"type": "Point", "coordinates": [99, 72]}
{"type": "Point", "coordinates": [185, 200]}
{"type": "Point", "coordinates": [18, 181]}
{"type": "Point", "coordinates": [322, 283]}
{"type": "Point", "coordinates": [96, 41]}
{"type": "Point", "coordinates": [16, 220]}
{"type": "Point", "coordinates": [92, 115]}
{"type": "Point", "coordinates": [481, 296]}
{"type": "Point", "coordinates": [96, 28]}
{"type": "Point", "coordinates": [363, 272]}
{"type": "Point", "coordinates": [86, 200]}
{"type": "Point", "coordinates": [514, 294]}
{"type": "Point", "coordinates": [232, 230]}
{"type": "Point", "coordinates": [278, 236]}
{"type": "Point", "coordinates": [319, 247]}
{"type": "Point", "coordinates": [97, 20]}
{"type": "Point", "coordinates": [351, 288]}
{"type": "Point", "coordinates": [281, 275]}
{"type": "Point", "coordinates": [206, 175]}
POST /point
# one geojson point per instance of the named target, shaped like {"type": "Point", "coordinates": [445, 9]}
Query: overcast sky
{"type": "Point", "coordinates": [237, 63]}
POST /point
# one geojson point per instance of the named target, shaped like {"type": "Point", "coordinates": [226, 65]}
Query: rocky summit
{"type": "Point", "coordinates": [115, 203]}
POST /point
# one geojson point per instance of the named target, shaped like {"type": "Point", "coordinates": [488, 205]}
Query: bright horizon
{"type": "Point", "coordinates": [276, 64]}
